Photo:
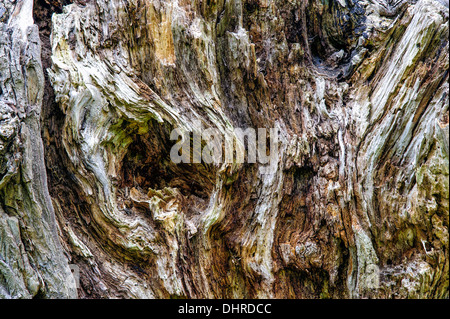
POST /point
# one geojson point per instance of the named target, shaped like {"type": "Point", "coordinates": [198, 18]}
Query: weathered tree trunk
{"type": "Point", "coordinates": [356, 205]}
{"type": "Point", "coordinates": [32, 262]}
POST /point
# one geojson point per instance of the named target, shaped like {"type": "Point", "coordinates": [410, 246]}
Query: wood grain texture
{"type": "Point", "coordinates": [357, 205]}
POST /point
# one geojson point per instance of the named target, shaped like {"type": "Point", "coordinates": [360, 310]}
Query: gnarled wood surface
{"type": "Point", "coordinates": [356, 205]}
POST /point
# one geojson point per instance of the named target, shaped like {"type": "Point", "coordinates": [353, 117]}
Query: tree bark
{"type": "Point", "coordinates": [356, 204]}
{"type": "Point", "coordinates": [32, 261]}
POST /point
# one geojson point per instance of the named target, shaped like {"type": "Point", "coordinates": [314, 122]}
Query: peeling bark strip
{"type": "Point", "coordinates": [209, 146]}
{"type": "Point", "coordinates": [356, 206]}
{"type": "Point", "coordinates": [32, 262]}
